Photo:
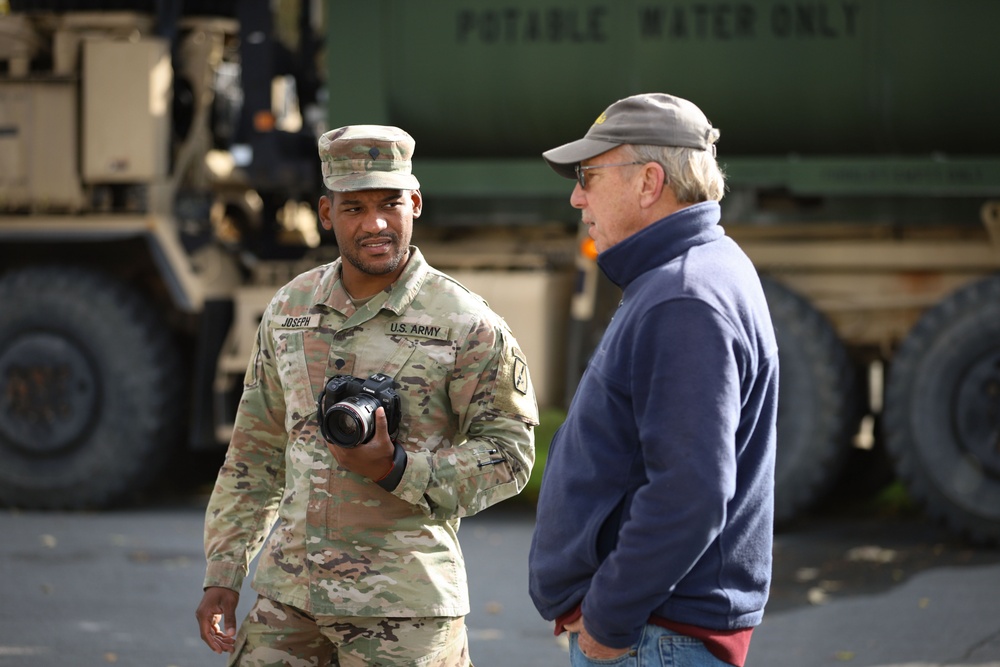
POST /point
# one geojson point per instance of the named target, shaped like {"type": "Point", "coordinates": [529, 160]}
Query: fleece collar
{"type": "Point", "coordinates": [661, 242]}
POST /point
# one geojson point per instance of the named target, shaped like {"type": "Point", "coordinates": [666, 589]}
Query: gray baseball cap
{"type": "Point", "coordinates": [367, 157]}
{"type": "Point", "coordinates": [652, 119]}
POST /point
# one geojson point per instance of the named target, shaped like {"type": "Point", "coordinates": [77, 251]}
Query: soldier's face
{"type": "Point", "coordinates": [373, 227]}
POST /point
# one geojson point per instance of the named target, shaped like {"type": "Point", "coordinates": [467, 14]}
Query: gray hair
{"type": "Point", "coordinates": [693, 174]}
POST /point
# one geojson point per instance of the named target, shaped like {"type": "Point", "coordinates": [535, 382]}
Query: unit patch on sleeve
{"type": "Point", "coordinates": [513, 393]}
{"type": "Point", "coordinates": [520, 375]}
{"type": "Point", "coordinates": [417, 330]}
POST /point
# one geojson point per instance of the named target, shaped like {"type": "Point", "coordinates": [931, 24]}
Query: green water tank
{"type": "Point", "coordinates": [510, 78]}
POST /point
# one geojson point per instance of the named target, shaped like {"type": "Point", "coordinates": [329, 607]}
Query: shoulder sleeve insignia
{"type": "Point", "coordinates": [513, 393]}
{"type": "Point", "coordinates": [520, 375]}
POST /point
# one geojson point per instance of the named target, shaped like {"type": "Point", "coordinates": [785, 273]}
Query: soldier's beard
{"type": "Point", "coordinates": [397, 255]}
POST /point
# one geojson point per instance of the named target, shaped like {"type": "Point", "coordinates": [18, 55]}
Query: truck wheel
{"type": "Point", "coordinates": [942, 413]}
{"type": "Point", "coordinates": [90, 397]}
{"type": "Point", "coordinates": [817, 402]}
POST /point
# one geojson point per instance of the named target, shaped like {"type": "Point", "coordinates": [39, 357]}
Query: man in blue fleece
{"type": "Point", "coordinates": [653, 538]}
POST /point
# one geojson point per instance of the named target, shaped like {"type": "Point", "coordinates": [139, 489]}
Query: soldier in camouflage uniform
{"type": "Point", "coordinates": [364, 565]}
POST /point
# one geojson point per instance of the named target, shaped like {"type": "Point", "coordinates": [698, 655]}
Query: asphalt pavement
{"type": "Point", "coordinates": [120, 588]}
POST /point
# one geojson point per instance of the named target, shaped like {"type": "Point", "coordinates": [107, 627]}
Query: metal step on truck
{"type": "Point", "coordinates": [158, 182]}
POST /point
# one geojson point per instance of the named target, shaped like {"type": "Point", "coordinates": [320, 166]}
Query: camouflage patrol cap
{"type": "Point", "coordinates": [367, 157]}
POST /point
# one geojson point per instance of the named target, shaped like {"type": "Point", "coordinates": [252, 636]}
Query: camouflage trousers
{"type": "Point", "coordinates": [276, 635]}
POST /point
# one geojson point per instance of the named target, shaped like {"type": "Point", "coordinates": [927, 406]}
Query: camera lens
{"type": "Point", "coordinates": [345, 423]}
{"type": "Point", "coordinates": [351, 422]}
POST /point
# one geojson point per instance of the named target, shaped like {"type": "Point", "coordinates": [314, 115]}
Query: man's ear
{"type": "Point", "coordinates": [653, 180]}
{"type": "Point", "coordinates": [418, 202]}
{"type": "Point", "coordinates": [323, 211]}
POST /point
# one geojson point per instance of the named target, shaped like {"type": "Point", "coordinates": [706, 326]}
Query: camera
{"type": "Point", "coordinates": [347, 408]}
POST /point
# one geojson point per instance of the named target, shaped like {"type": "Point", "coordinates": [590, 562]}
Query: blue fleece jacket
{"type": "Point", "coordinates": [658, 493]}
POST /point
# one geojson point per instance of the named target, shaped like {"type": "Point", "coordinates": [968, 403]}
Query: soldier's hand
{"type": "Point", "coordinates": [372, 459]}
{"type": "Point", "coordinates": [217, 604]}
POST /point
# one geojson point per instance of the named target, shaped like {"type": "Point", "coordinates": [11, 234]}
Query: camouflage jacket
{"type": "Point", "coordinates": [342, 545]}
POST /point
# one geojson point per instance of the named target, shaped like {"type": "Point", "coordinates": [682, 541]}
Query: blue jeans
{"type": "Point", "coordinates": [657, 647]}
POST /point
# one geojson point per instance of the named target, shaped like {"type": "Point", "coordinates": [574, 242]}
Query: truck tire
{"type": "Point", "coordinates": [90, 397]}
{"type": "Point", "coordinates": [818, 407]}
{"type": "Point", "coordinates": [942, 412]}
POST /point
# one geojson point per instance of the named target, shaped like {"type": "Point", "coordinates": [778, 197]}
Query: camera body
{"type": "Point", "coordinates": [347, 408]}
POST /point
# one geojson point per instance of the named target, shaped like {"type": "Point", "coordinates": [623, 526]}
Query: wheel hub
{"type": "Point", "coordinates": [977, 413]}
{"type": "Point", "coordinates": [48, 393]}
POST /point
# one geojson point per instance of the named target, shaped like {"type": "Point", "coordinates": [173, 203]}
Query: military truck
{"type": "Point", "coordinates": [158, 182]}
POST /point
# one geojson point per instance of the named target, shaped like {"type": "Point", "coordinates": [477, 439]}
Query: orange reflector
{"type": "Point", "coordinates": [588, 248]}
{"type": "Point", "coordinates": [263, 121]}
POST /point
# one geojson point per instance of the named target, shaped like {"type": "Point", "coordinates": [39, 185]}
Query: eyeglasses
{"type": "Point", "coordinates": [581, 177]}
